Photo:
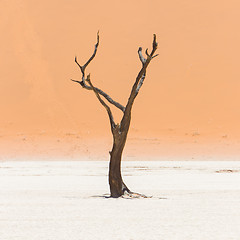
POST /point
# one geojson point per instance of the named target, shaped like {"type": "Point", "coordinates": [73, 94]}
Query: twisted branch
{"type": "Point", "coordinates": [138, 83]}
{"type": "Point", "coordinates": [99, 91]}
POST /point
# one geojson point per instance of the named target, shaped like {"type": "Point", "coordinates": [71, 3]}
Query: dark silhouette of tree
{"type": "Point", "coordinates": [119, 131]}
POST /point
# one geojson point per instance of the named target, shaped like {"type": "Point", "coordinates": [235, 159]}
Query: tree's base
{"type": "Point", "coordinates": [130, 195]}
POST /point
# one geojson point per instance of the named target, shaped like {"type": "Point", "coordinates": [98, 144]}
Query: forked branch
{"type": "Point", "coordinates": [139, 81]}
{"type": "Point", "coordinates": [99, 91]}
{"type": "Point", "coordinates": [141, 75]}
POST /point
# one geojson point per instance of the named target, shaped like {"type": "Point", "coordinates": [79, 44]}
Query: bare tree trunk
{"type": "Point", "coordinates": [119, 132]}
{"type": "Point", "coordinates": [117, 186]}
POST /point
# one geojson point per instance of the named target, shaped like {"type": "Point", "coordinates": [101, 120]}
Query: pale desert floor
{"type": "Point", "coordinates": [60, 200]}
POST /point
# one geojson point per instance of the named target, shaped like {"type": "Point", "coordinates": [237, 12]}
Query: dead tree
{"type": "Point", "coordinates": [119, 131]}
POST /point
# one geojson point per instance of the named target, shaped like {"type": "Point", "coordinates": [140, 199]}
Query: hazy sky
{"type": "Point", "coordinates": [193, 83]}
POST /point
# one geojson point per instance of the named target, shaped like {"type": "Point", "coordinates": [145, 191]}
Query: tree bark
{"type": "Point", "coordinates": [117, 186]}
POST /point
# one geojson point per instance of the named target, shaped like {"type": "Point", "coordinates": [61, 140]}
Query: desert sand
{"type": "Point", "coordinates": [73, 146]}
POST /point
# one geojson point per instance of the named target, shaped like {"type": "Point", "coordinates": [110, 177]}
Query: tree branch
{"type": "Point", "coordinates": [142, 59]}
{"type": "Point", "coordinates": [99, 91]}
{"type": "Point", "coordinates": [113, 125]}
{"type": "Point", "coordinates": [138, 83]}
{"type": "Point", "coordinates": [142, 74]}
{"type": "Point", "coordinates": [105, 95]}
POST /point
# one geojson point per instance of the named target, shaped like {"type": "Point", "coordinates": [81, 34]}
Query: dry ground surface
{"type": "Point", "coordinates": [68, 200]}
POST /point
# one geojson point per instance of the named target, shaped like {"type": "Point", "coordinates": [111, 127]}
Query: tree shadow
{"type": "Point", "coordinates": [140, 196]}
{"type": "Point", "coordinates": [101, 196]}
